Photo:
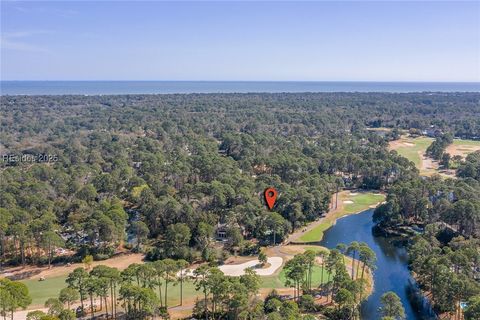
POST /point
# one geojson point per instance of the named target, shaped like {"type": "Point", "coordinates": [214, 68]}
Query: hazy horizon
{"type": "Point", "coordinates": [273, 81]}
{"type": "Point", "coordinates": [174, 87]}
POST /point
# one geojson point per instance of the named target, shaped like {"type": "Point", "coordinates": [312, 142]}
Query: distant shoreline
{"type": "Point", "coordinates": [122, 87]}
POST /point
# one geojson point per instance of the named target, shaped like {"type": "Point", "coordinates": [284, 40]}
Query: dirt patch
{"type": "Point", "coordinates": [428, 163]}
{"type": "Point", "coordinates": [461, 150]}
{"type": "Point", "coordinates": [401, 143]}
{"type": "Point", "coordinates": [395, 144]}
{"type": "Point", "coordinates": [121, 262]}
{"type": "Point", "coordinates": [239, 269]}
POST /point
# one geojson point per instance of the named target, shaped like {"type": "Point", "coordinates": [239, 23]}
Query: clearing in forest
{"type": "Point", "coordinates": [349, 203]}
{"type": "Point", "coordinates": [462, 148]}
{"type": "Point", "coordinates": [412, 148]}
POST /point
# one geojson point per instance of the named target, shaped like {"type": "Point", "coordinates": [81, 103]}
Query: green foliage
{"type": "Point", "coordinates": [170, 168]}
{"type": "Point", "coordinates": [444, 256]}
{"type": "Point", "coordinates": [13, 295]}
{"type": "Point", "coordinates": [186, 165]}
{"type": "Point", "coordinates": [68, 296]}
{"type": "Point", "coordinates": [262, 257]}
{"type": "Point", "coordinates": [307, 303]}
{"type": "Point", "coordinates": [437, 148]}
{"type": "Point", "coordinates": [35, 315]}
{"type": "Point", "coordinates": [392, 306]}
{"type": "Point", "coordinates": [472, 311]}
{"type": "Point", "coordinates": [471, 167]}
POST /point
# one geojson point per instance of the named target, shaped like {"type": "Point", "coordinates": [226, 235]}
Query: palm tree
{"type": "Point", "coordinates": [109, 278]}
{"type": "Point", "coordinates": [368, 258]}
{"type": "Point", "coordinates": [322, 254]}
{"type": "Point", "coordinates": [68, 295]}
{"type": "Point", "coordinates": [101, 291]}
{"type": "Point", "coordinates": [159, 267]}
{"type": "Point", "coordinates": [342, 247]}
{"type": "Point", "coordinates": [360, 245]}
{"type": "Point", "coordinates": [309, 258]}
{"type": "Point", "coordinates": [353, 249]}
{"type": "Point", "coordinates": [201, 282]}
{"type": "Point", "coordinates": [181, 265]}
{"type": "Point", "coordinates": [170, 274]}
{"type": "Point", "coordinates": [76, 280]}
{"type": "Point", "coordinates": [331, 263]}
{"type": "Point", "coordinates": [91, 285]}
{"type": "Point", "coordinates": [146, 275]}
{"type": "Point", "coordinates": [113, 276]}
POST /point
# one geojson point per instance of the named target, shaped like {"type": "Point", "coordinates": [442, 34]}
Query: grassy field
{"type": "Point", "coordinates": [363, 201]}
{"type": "Point", "coordinates": [50, 288]}
{"type": "Point", "coordinates": [41, 291]}
{"type": "Point", "coordinates": [278, 281]}
{"type": "Point", "coordinates": [412, 148]}
{"type": "Point", "coordinates": [463, 147]}
{"type": "Point", "coordinates": [462, 142]}
{"type": "Point", "coordinates": [360, 202]}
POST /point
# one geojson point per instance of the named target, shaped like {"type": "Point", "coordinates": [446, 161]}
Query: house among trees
{"type": "Point", "coordinates": [137, 164]}
{"type": "Point", "coordinates": [432, 132]}
{"type": "Point", "coordinates": [221, 231]}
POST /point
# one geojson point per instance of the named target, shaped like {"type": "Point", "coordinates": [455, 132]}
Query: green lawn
{"type": "Point", "coordinates": [361, 201]}
{"type": "Point", "coordinates": [461, 142]}
{"type": "Point", "coordinates": [413, 153]}
{"type": "Point", "coordinates": [40, 291]}
{"type": "Point", "coordinates": [316, 234]}
{"type": "Point", "coordinates": [276, 282]}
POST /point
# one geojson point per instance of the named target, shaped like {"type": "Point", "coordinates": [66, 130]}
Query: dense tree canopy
{"type": "Point", "coordinates": [155, 170]}
{"type": "Point", "coordinates": [83, 176]}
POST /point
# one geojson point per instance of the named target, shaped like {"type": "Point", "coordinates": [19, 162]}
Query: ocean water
{"type": "Point", "coordinates": [164, 87]}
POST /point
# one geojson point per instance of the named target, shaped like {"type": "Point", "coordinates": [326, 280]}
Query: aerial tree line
{"type": "Point", "coordinates": [168, 174]}
{"type": "Point", "coordinates": [152, 173]}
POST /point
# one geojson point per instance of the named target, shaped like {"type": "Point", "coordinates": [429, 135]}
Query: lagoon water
{"type": "Point", "coordinates": [392, 272]}
{"type": "Point", "coordinates": [164, 87]}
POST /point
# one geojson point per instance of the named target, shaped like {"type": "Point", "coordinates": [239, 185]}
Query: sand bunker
{"type": "Point", "coordinates": [239, 269]}
{"type": "Point", "coordinates": [461, 150]}
{"type": "Point", "coordinates": [353, 193]}
{"type": "Point", "coordinates": [348, 201]}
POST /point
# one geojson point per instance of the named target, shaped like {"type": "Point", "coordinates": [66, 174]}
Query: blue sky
{"type": "Point", "coordinates": [330, 41]}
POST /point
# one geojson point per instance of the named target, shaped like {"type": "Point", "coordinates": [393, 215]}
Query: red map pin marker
{"type": "Point", "coordinates": [270, 197]}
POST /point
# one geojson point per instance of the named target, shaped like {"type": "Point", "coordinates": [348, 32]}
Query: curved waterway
{"type": "Point", "coordinates": [392, 272]}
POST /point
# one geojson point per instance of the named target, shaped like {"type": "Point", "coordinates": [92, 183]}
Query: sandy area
{"type": "Point", "coordinates": [428, 163]}
{"type": "Point", "coordinates": [238, 269]}
{"type": "Point", "coordinates": [395, 144]}
{"type": "Point", "coordinates": [461, 150]}
{"type": "Point", "coordinates": [22, 314]}
{"type": "Point", "coordinates": [348, 201]}
{"type": "Point", "coordinates": [121, 262]}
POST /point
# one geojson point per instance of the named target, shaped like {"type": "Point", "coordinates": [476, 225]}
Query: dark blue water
{"type": "Point", "coordinates": [392, 273]}
{"type": "Point", "coordinates": [154, 87]}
